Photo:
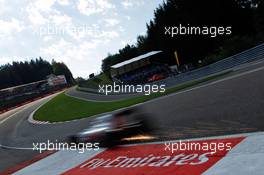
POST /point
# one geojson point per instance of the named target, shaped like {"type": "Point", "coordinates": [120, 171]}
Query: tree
{"type": "Point", "coordinates": [259, 18]}
{"type": "Point", "coordinates": [128, 52]}
{"type": "Point", "coordinates": [19, 73]}
{"type": "Point", "coordinates": [59, 68]}
{"type": "Point", "coordinates": [244, 16]}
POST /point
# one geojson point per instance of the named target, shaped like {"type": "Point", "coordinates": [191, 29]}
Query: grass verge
{"type": "Point", "coordinates": [65, 108]}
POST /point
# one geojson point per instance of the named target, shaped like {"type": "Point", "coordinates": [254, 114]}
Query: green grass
{"type": "Point", "coordinates": [94, 82]}
{"type": "Point", "coordinates": [65, 108]}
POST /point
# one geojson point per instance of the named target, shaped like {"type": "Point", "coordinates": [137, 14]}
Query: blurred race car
{"type": "Point", "coordinates": [109, 129]}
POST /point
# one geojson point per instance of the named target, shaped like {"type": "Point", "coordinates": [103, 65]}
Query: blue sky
{"type": "Point", "coordinates": [78, 32]}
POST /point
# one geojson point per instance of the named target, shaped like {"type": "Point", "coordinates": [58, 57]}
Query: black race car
{"type": "Point", "coordinates": [109, 129]}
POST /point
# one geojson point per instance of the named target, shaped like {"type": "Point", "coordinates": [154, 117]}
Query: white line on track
{"type": "Point", "coordinates": [14, 147]}
{"type": "Point", "coordinates": [166, 96]}
{"type": "Point", "coordinates": [5, 119]}
{"type": "Point", "coordinates": [201, 86]}
{"type": "Point", "coordinates": [209, 84]}
{"type": "Point", "coordinates": [26, 106]}
{"type": "Point", "coordinates": [237, 68]}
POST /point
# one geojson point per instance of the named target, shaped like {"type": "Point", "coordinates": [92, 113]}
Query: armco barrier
{"type": "Point", "coordinates": [253, 54]}
{"type": "Point", "coordinates": [29, 101]}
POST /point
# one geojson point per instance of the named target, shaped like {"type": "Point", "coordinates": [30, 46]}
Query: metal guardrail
{"type": "Point", "coordinates": [253, 54]}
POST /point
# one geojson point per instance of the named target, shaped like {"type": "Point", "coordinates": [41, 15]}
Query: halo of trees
{"type": "Point", "coordinates": [246, 17]}
{"type": "Point", "coordinates": [25, 72]}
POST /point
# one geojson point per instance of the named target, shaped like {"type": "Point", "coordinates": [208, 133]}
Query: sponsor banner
{"type": "Point", "coordinates": [179, 158]}
{"type": "Point", "coordinates": [57, 80]}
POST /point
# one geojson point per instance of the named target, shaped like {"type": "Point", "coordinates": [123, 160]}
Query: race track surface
{"type": "Point", "coordinates": [233, 104]}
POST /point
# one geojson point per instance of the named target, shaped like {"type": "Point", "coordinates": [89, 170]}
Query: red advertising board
{"type": "Point", "coordinates": [179, 158]}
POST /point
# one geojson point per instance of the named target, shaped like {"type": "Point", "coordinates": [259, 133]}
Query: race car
{"type": "Point", "coordinates": [107, 130]}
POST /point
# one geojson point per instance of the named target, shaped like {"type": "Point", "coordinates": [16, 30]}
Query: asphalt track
{"type": "Point", "coordinates": [231, 105]}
